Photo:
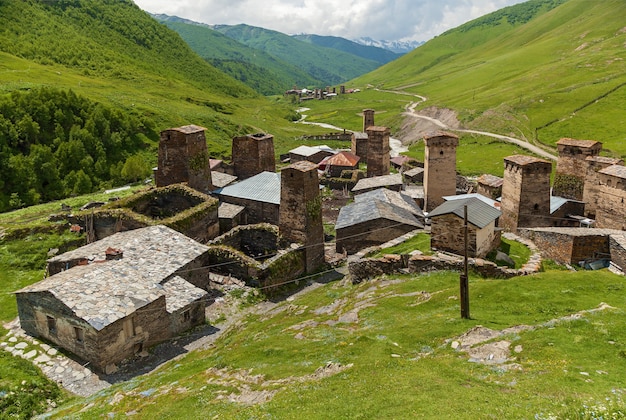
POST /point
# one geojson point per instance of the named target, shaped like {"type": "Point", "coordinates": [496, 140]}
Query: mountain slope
{"type": "Point", "coordinates": [326, 64]}
{"type": "Point", "coordinates": [546, 69]}
{"type": "Point", "coordinates": [88, 85]}
{"type": "Point", "coordinates": [257, 69]}
{"type": "Point", "coordinates": [380, 55]}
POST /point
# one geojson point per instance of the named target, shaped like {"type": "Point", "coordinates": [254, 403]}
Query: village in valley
{"type": "Point", "coordinates": [157, 261]}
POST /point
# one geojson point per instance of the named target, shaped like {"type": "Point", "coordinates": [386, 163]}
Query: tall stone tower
{"type": "Point", "coordinates": [571, 167]}
{"type": "Point", "coordinates": [525, 192]}
{"type": "Point", "coordinates": [377, 151]}
{"type": "Point", "coordinates": [368, 119]}
{"type": "Point", "coordinates": [183, 157]}
{"type": "Point", "coordinates": [300, 218]}
{"type": "Point", "coordinates": [439, 168]}
{"type": "Point", "coordinates": [253, 154]}
{"type": "Point", "coordinates": [591, 191]}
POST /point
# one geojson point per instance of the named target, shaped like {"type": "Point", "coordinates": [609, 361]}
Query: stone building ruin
{"type": "Point", "coordinates": [591, 191]}
{"type": "Point", "coordinates": [253, 154]}
{"type": "Point", "coordinates": [183, 157]}
{"type": "Point", "coordinates": [439, 168]}
{"type": "Point", "coordinates": [525, 192]}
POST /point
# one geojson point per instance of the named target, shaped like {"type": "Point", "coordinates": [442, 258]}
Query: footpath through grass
{"type": "Point", "coordinates": [383, 349]}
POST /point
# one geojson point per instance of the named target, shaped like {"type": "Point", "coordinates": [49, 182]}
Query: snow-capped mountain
{"type": "Point", "coordinates": [400, 47]}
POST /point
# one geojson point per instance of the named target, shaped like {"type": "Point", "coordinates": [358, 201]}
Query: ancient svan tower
{"type": "Point", "coordinates": [611, 206]}
{"type": "Point", "coordinates": [377, 151]}
{"type": "Point", "coordinates": [300, 218]}
{"type": "Point", "coordinates": [183, 157]}
{"type": "Point", "coordinates": [571, 167]}
{"type": "Point", "coordinates": [439, 168]}
{"type": "Point", "coordinates": [368, 119]}
{"type": "Point", "coordinates": [525, 192]}
{"type": "Point", "coordinates": [253, 154]}
{"type": "Point", "coordinates": [592, 181]}
{"type": "Point", "coordinates": [359, 145]}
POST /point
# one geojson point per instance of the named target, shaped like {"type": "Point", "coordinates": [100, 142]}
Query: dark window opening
{"type": "Point", "coordinates": [138, 348]}
{"type": "Point", "coordinates": [52, 325]}
{"type": "Point", "coordinates": [186, 315]}
{"type": "Point", "coordinates": [79, 334]}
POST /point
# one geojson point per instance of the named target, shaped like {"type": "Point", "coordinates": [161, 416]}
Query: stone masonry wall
{"type": "Point", "coordinates": [378, 157]}
{"type": "Point", "coordinates": [439, 168]}
{"type": "Point", "coordinates": [253, 154]}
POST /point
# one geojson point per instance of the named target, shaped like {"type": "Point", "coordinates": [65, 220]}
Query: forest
{"type": "Point", "coordinates": [55, 143]}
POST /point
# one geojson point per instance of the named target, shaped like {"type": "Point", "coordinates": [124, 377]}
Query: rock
{"type": "Point", "coordinates": [52, 351]}
{"type": "Point", "coordinates": [395, 355]}
{"type": "Point", "coordinates": [501, 257]}
{"type": "Point", "coordinates": [42, 358]}
{"type": "Point", "coordinates": [455, 345]}
{"type": "Point", "coordinates": [518, 349]}
{"type": "Point", "coordinates": [299, 336]}
{"type": "Point", "coordinates": [13, 340]}
{"type": "Point", "coordinates": [59, 370]}
{"type": "Point", "coordinates": [21, 346]}
{"type": "Point", "coordinates": [30, 354]}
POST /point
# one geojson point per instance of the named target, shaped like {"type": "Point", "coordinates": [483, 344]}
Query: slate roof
{"type": "Point", "coordinates": [228, 210]}
{"type": "Point", "coordinates": [618, 171]}
{"type": "Point", "coordinates": [491, 180]}
{"type": "Point", "coordinates": [397, 198]}
{"type": "Point", "coordinates": [479, 213]}
{"type": "Point", "coordinates": [365, 211]}
{"type": "Point", "coordinates": [221, 179]}
{"type": "Point", "coordinates": [189, 129]}
{"type": "Point", "coordinates": [104, 292]}
{"type": "Point", "coordinates": [414, 171]}
{"type": "Point", "coordinates": [481, 197]}
{"type": "Point", "coordinates": [558, 202]}
{"type": "Point", "coordinates": [577, 143]}
{"type": "Point", "coordinates": [310, 150]}
{"type": "Point", "coordinates": [264, 187]}
{"type": "Point", "coordinates": [377, 182]}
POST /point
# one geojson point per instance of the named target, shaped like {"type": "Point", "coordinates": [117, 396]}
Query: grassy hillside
{"type": "Point", "coordinates": [378, 54]}
{"type": "Point", "coordinates": [326, 64]}
{"type": "Point", "coordinates": [255, 68]}
{"type": "Point", "coordinates": [543, 69]}
{"type": "Point", "coordinates": [385, 349]}
{"type": "Point", "coordinates": [116, 59]}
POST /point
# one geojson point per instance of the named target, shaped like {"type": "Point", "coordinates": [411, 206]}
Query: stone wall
{"type": "Point", "coordinates": [525, 192]}
{"type": "Point", "coordinates": [256, 211]}
{"type": "Point", "coordinates": [570, 245]}
{"type": "Point", "coordinates": [378, 157]}
{"type": "Point", "coordinates": [448, 234]}
{"type": "Point", "coordinates": [439, 168]}
{"type": "Point", "coordinates": [253, 154]}
{"type": "Point", "coordinates": [611, 205]}
{"type": "Point", "coordinates": [617, 246]}
{"type": "Point", "coordinates": [354, 238]}
{"type": "Point", "coordinates": [571, 167]}
{"type": "Point", "coordinates": [592, 182]}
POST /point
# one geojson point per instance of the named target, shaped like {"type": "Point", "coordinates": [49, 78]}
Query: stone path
{"type": "Point", "coordinates": [65, 371]}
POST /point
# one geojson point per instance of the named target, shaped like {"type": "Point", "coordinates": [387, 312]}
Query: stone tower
{"type": "Point", "coordinates": [300, 218]}
{"type": "Point", "coordinates": [377, 151]}
{"type": "Point", "coordinates": [525, 192]}
{"type": "Point", "coordinates": [368, 119]}
{"type": "Point", "coordinates": [439, 168]}
{"type": "Point", "coordinates": [571, 167]}
{"type": "Point", "coordinates": [591, 191]}
{"type": "Point", "coordinates": [253, 154]}
{"type": "Point", "coordinates": [183, 157]}
{"type": "Point", "coordinates": [359, 145]}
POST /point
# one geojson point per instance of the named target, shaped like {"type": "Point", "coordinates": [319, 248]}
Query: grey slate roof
{"type": "Point", "coordinates": [104, 292]}
{"type": "Point", "coordinates": [481, 197]}
{"type": "Point", "coordinates": [365, 211]}
{"type": "Point", "coordinates": [220, 179]}
{"type": "Point", "coordinates": [377, 182]}
{"type": "Point", "coordinates": [479, 213]}
{"type": "Point", "coordinates": [618, 171]}
{"type": "Point", "coordinates": [558, 202]}
{"type": "Point", "coordinates": [264, 187]}
{"type": "Point", "coordinates": [311, 150]}
{"type": "Point", "coordinates": [397, 198]}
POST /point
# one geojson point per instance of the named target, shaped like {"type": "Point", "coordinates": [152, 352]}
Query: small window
{"type": "Point", "coordinates": [52, 325]}
{"type": "Point", "coordinates": [187, 315]}
{"type": "Point", "coordinates": [79, 334]}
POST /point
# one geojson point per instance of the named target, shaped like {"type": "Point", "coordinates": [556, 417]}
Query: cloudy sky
{"type": "Point", "coordinates": [390, 20]}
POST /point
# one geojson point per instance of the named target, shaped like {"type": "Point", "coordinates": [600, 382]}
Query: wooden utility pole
{"type": "Point", "coordinates": [464, 284]}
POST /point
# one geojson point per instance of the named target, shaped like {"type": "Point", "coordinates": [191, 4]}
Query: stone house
{"type": "Point", "coordinates": [371, 222]}
{"type": "Point", "coordinates": [336, 164]}
{"type": "Point", "coordinates": [397, 198]}
{"type": "Point", "coordinates": [447, 227]}
{"type": "Point", "coordinates": [260, 195]}
{"type": "Point", "coordinates": [114, 298]}
{"type": "Point", "coordinates": [313, 154]}
{"type": "Point", "coordinates": [591, 189]}
{"type": "Point", "coordinates": [611, 209]}
{"type": "Point", "coordinates": [392, 181]}
{"type": "Point", "coordinates": [489, 186]}
{"type": "Point", "coordinates": [414, 175]}
{"type": "Point", "coordinates": [566, 212]}
{"type": "Point", "coordinates": [571, 166]}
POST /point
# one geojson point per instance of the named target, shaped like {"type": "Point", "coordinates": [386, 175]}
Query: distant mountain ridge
{"type": "Point", "coordinates": [398, 47]}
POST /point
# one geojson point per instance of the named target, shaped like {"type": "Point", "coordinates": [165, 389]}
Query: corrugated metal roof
{"type": "Point", "coordinates": [481, 197]}
{"type": "Point", "coordinates": [479, 213]}
{"type": "Point", "coordinates": [264, 187]}
{"type": "Point", "coordinates": [558, 202]}
{"type": "Point", "coordinates": [365, 211]}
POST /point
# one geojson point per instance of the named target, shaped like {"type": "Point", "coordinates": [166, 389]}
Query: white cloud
{"type": "Point", "coordinates": [390, 20]}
